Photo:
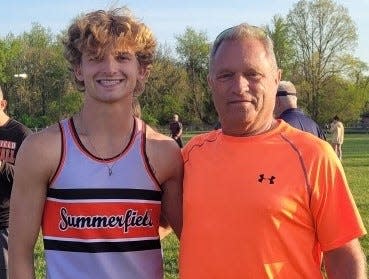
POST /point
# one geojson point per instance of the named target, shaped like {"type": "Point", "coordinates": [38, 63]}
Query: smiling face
{"type": "Point", "coordinates": [244, 81]}
{"type": "Point", "coordinates": [110, 76]}
{"type": "Point", "coordinates": [95, 37]}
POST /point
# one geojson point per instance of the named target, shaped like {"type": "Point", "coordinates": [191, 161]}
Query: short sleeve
{"type": "Point", "coordinates": [336, 216]}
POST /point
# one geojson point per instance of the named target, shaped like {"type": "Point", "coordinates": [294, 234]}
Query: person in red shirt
{"type": "Point", "coordinates": [262, 199]}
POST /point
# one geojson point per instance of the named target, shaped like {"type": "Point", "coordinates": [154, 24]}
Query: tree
{"type": "Point", "coordinates": [193, 50]}
{"type": "Point", "coordinates": [341, 97]}
{"type": "Point", "coordinates": [165, 90]}
{"type": "Point", "coordinates": [38, 54]}
{"type": "Point", "coordinates": [283, 46]}
{"type": "Point", "coordinates": [323, 32]}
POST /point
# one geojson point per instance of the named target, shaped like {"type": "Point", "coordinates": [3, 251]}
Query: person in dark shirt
{"type": "Point", "coordinates": [12, 134]}
{"type": "Point", "coordinates": [286, 109]}
{"type": "Point", "coordinates": [176, 128]}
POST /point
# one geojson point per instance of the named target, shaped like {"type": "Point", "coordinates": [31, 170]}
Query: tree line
{"type": "Point", "coordinates": [314, 47]}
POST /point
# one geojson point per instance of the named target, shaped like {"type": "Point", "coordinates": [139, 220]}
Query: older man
{"type": "Point", "coordinates": [261, 198]}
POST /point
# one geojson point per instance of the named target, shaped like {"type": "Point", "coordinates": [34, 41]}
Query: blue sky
{"type": "Point", "coordinates": [169, 18]}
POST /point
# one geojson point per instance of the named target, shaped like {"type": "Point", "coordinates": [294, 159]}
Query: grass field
{"type": "Point", "coordinates": [356, 164]}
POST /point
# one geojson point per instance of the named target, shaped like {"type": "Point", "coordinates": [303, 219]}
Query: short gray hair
{"type": "Point", "coordinates": [244, 31]}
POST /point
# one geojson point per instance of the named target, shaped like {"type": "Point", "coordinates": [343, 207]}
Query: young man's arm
{"type": "Point", "coordinates": [32, 173]}
{"type": "Point", "coordinates": [347, 261]}
{"type": "Point", "coordinates": [167, 163]}
{"type": "Point", "coordinates": [172, 192]}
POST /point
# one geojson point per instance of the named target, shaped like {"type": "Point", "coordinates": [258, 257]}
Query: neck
{"type": "Point", "coordinates": [111, 119]}
{"type": "Point", "coordinates": [251, 131]}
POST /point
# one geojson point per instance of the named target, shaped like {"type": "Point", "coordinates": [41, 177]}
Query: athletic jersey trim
{"type": "Point", "coordinates": [296, 149]}
{"type": "Point", "coordinates": [62, 155]}
{"type": "Point", "coordinates": [146, 158]}
{"type": "Point", "coordinates": [103, 194]}
{"type": "Point", "coordinates": [207, 140]}
{"type": "Point", "coordinates": [100, 247]}
{"type": "Point", "coordinates": [81, 146]}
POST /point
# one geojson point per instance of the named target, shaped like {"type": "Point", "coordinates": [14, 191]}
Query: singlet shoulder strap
{"type": "Point", "coordinates": [141, 126]}
{"type": "Point", "coordinates": [63, 125]}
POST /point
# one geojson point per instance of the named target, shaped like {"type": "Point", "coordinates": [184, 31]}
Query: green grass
{"type": "Point", "coordinates": [356, 165]}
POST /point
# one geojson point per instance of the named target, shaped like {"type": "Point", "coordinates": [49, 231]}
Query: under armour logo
{"type": "Point", "coordinates": [262, 178]}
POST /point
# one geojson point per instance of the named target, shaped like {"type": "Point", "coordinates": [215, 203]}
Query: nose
{"type": "Point", "coordinates": [240, 84]}
{"type": "Point", "coordinates": [110, 64]}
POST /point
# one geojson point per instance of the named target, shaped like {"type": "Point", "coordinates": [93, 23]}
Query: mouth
{"type": "Point", "coordinates": [109, 82]}
{"type": "Point", "coordinates": [239, 101]}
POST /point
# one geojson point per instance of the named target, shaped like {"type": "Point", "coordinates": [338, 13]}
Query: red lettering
{"type": "Point", "coordinates": [7, 155]}
{"type": "Point", "coordinates": [7, 144]}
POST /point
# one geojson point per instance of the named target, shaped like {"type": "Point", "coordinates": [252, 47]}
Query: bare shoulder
{"type": "Point", "coordinates": [43, 140]}
{"type": "Point", "coordinates": [164, 154]}
{"type": "Point", "coordinates": [163, 142]}
{"type": "Point", "coordinates": [41, 151]}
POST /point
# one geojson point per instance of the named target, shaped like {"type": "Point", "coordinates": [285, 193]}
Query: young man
{"type": "Point", "coordinates": [98, 182]}
{"type": "Point", "coordinates": [261, 198]}
{"type": "Point", "coordinates": [287, 110]}
{"type": "Point", "coordinates": [12, 134]}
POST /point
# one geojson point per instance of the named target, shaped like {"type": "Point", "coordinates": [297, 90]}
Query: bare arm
{"type": "Point", "coordinates": [346, 262]}
{"type": "Point", "coordinates": [172, 195]}
{"type": "Point", "coordinates": [166, 160]}
{"type": "Point", "coordinates": [164, 228]}
{"type": "Point", "coordinates": [32, 172]}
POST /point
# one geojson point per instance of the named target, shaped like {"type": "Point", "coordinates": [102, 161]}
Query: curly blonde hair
{"type": "Point", "coordinates": [100, 30]}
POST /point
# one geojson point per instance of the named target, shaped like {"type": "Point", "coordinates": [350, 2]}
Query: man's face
{"type": "Point", "coordinates": [110, 77]}
{"type": "Point", "coordinates": [244, 83]}
{"type": "Point", "coordinates": [3, 102]}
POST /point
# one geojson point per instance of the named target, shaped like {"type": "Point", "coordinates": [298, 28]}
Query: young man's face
{"type": "Point", "coordinates": [110, 77]}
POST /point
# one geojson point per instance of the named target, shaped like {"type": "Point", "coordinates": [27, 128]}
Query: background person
{"type": "Point", "coordinates": [176, 128]}
{"type": "Point", "coordinates": [286, 109]}
{"type": "Point", "coordinates": [338, 132]}
{"type": "Point", "coordinates": [260, 196]}
{"type": "Point", "coordinates": [99, 181]}
{"type": "Point", "coordinates": [12, 134]}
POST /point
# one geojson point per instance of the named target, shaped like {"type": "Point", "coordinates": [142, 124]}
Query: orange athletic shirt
{"type": "Point", "coordinates": [263, 206]}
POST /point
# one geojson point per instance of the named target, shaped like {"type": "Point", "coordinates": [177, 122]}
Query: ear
{"type": "Point", "coordinates": [78, 72]}
{"type": "Point", "coordinates": [210, 82]}
{"type": "Point", "coordinates": [143, 72]}
{"type": "Point", "coordinates": [3, 104]}
{"type": "Point", "coordinates": [278, 76]}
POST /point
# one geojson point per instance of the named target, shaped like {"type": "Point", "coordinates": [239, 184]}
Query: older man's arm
{"type": "Point", "coordinates": [346, 262]}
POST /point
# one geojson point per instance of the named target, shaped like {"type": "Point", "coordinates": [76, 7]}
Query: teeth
{"type": "Point", "coordinates": [108, 82]}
